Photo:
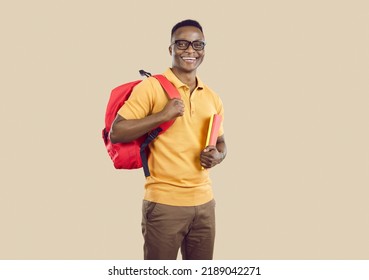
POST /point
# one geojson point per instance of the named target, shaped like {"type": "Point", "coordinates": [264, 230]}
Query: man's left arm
{"type": "Point", "coordinates": [213, 155]}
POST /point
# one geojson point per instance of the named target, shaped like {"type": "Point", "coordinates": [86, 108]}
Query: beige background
{"type": "Point", "coordinates": [293, 76]}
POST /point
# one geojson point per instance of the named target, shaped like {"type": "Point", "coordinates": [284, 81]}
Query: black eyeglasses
{"type": "Point", "coordinates": [184, 44]}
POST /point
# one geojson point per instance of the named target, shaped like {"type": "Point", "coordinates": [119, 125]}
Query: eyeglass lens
{"type": "Point", "coordinates": [184, 44]}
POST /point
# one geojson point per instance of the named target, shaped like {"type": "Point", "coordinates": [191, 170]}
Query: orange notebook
{"type": "Point", "coordinates": [213, 130]}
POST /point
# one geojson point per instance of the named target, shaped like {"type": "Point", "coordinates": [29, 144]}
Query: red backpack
{"type": "Point", "coordinates": [134, 154]}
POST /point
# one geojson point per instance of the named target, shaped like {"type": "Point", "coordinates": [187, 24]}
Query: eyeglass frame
{"type": "Point", "coordinates": [190, 43]}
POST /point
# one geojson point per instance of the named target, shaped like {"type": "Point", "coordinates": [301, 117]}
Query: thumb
{"type": "Point", "coordinates": [209, 148]}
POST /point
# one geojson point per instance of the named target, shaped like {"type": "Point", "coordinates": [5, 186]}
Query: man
{"type": "Point", "coordinates": [178, 207]}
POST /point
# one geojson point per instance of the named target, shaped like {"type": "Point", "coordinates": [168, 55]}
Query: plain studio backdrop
{"type": "Point", "coordinates": [293, 76]}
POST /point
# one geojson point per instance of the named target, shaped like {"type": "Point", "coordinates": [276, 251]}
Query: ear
{"type": "Point", "coordinates": [170, 50]}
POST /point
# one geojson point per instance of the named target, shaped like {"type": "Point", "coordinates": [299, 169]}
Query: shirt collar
{"type": "Point", "coordinates": [177, 82]}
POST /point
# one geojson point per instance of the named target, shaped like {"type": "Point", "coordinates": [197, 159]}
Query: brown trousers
{"type": "Point", "coordinates": [167, 228]}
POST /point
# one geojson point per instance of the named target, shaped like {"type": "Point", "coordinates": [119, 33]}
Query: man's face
{"type": "Point", "coordinates": [187, 60]}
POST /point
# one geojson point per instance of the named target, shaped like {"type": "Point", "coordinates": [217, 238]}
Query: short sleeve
{"type": "Point", "coordinates": [139, 104]}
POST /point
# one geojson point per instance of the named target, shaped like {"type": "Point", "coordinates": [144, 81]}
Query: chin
{"type": "Point", "coordinates": [189, 68]}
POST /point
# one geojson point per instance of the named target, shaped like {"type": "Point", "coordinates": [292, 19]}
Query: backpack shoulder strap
{"type": "Point", "coordinates": [172, 92]}
{"type": "Point", "coordinates": [169, 88]}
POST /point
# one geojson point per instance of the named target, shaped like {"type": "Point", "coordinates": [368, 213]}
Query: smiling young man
{"type": "Point", "coordinates": [178, 207]}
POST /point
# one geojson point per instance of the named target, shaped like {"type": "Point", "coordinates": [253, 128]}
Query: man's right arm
{"type": "Point", "coordinates": [124, 130]}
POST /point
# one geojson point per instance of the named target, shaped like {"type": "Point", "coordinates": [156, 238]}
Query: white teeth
{"type": "Point", "coordinates": [189, 58]}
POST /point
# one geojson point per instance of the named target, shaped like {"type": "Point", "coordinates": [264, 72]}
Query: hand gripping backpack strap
{"type": "Point", "coordinates": [172, 92]}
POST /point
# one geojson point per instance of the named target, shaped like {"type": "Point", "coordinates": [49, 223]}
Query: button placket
{"type": "Point", "coordinates": [192, 102]}
{"type": "Point", "coordinates": [192, 105]}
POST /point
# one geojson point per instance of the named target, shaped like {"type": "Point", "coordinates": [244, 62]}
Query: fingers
{"type": "Point", "coordinates": [206, 162]}
{"type": "Point", "coordinates": [173, 109]}
{"type": "Point", "coordinates": [209, 149]}
{"type": "Point", "coordinates": [178, 103]}
{"type": "Point", "coordinates": [208, 157]}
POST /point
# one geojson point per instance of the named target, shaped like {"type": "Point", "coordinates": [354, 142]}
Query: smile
{"type": "Point", "coordinates": [189, 59]}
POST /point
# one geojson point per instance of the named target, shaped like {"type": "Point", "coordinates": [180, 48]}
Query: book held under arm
{"type": "Point", "coordinates": [213, 130]}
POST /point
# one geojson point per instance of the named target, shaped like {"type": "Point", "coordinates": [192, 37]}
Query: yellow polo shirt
{"type": "Point", "coordinates": [174, 161]}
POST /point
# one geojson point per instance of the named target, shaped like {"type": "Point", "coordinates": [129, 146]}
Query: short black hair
{"type": "Point", "coordinates": [187, 22]}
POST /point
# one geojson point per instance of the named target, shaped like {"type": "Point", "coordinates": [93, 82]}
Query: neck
{"type": "Point", "coordinates": [188, 78]}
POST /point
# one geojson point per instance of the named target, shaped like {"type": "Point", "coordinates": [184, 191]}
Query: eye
{"type": "Point", "coordinates": [198, 45]}
{"type": "Point", "coordinates": [182, 44]}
